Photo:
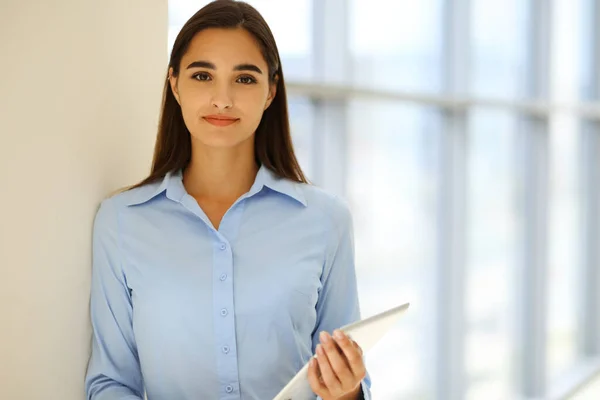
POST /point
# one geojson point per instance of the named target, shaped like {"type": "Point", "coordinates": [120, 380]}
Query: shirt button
{"type": "Point", "coordinates": [223, 277]}
{"type": "Point", "coordinates": [225, 349]}
{"type": "Point", "coordinates": [229, 389]}
{"type": "Point", "coordinates": [224, 312]}
{"type": "Point", "coordinates": [223, 246]}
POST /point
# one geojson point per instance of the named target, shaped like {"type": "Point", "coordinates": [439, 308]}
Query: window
{"type": "Point", "coordinates": [564, 246]}
{"type": "Point", "coordinates": [391, 188]}
{"type": "Point", "coordinates": [565, 228]}
{"type": "Point", "coordinates": [491, 254]}
{"type": "Point", "coordinates": [498, 52]}
{"type": "Point", "coordinates": [395, 45]}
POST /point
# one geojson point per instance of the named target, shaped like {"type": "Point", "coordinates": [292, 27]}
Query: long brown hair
{"type": "Point", "coordinates": [273, 143]}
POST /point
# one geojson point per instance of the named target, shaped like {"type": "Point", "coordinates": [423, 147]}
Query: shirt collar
{"type": "Point", "coordinates": [268, 178]}
{"type": "Point", "coordinates": [172, 183]}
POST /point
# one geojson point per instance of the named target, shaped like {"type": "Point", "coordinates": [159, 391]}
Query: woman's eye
{"type": "Point", "coordinates": [202, 76]}
{"type": "Point", "coordinates": [246, 80]}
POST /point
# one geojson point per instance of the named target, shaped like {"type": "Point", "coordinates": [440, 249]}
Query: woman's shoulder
{"type": "Point", "coordinates": [129, 195]}
{"type": "Point", "coordinates": [140, 192]}
{"type": "Point", "coordinates": [113, 205]}
{"type": "Point", "coordinates": [328, 203]}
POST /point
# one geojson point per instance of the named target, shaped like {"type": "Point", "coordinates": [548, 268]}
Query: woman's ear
{"type": "Point", "coordinates": [272, 91]}
{"type": "Point", "coordinates": [173, 83]}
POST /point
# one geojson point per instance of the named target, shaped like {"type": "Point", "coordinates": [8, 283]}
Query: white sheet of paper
{"type": "Point", "coordinates": [366, 333]}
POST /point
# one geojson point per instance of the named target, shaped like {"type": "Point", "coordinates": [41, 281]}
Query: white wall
{"type": "Point", "coordinates": [80, 90]}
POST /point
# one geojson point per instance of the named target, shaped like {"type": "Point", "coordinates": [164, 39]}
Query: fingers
{"type": "Point", "coordinates": [328, 374]}
{"type": "Point", "coordinates": [345, 358]}
{"type": "Point", "coordinates": [316, 383]}
{"type": "Point", "coordinates": [340, 364]}
{"type": "Point", "coordinates": [360, 350]}
{"type": "Point", "coordinates": [352, 352]}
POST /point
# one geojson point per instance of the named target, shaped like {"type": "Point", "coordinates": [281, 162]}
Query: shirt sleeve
{"type": "Point", "coordinates": [113, 370]}
{"type": "Point", "coordinates": [338, 303]}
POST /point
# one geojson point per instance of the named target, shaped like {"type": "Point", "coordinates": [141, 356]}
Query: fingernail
{"type": "Point", "coordinates": [324, 337]}
{"type": "Point", "coordinates": [319, 349]}
{"type": "Point", "coordinates": [338, 334]}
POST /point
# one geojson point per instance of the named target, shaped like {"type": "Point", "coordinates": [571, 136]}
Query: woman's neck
{"type": "Point", "coordinates": [220, 174]}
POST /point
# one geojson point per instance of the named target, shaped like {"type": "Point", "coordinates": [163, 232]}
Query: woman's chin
{"type": "Point", "coordinates": [222, 140]}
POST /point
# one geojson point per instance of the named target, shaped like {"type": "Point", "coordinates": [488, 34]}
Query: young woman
{"type": "Point", "coordinates": [222, 273]}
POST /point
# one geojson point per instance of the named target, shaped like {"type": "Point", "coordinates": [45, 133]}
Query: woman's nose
{"type": "Point", "coordinates": [221, 98]}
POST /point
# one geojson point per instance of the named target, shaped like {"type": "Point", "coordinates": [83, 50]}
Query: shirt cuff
{"type": "Point", "coordinates": [366, 392]}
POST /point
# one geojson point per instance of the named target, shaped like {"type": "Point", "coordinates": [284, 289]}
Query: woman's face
{"type": "Point", "coordinates": [223, 87]}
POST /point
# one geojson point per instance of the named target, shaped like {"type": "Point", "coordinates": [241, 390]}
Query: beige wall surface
{"type": "Point", "coordinates": [80, 90]}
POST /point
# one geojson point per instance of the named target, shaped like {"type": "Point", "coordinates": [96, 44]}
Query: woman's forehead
{"type": "Point", "coordinates": [219, 45]}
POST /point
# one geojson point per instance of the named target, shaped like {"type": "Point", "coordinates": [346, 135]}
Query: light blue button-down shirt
{"type": "Point", "coordinates": [185, 312]}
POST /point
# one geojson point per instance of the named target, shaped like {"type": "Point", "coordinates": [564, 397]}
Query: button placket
{"type": "Point", "coordinates": [223, 301]}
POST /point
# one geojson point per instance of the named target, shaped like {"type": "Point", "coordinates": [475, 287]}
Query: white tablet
{"type": "Point", "coordinates": [366, 333]}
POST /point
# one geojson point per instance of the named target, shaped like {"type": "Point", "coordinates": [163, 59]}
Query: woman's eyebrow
{"type": "Point", "coordinates": [201, 64]}
{"type": "Point", "coordinates": [247, 67]}
{"type": "Point", "coordinates": [209, 65]}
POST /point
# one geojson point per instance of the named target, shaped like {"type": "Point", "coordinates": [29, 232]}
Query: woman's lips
{"type": "Point", "coordinates": [220, 120]}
